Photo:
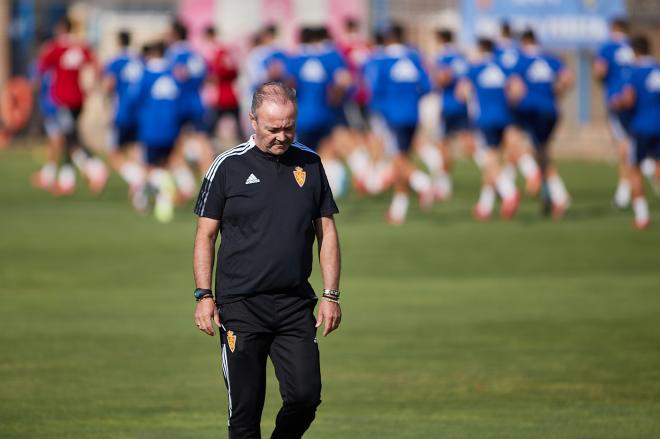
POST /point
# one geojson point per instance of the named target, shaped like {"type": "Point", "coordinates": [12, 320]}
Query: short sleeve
{"type": "Point", "coordinates": [327, 205]}
{"type": "Point", "coordinates": [211, 198]}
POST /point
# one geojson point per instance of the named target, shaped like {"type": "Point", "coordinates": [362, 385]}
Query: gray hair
{"type": "Point", "coordinates": [273, 91]}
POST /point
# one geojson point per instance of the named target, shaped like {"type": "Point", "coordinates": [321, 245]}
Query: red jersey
{"type": "Point", "coordinates": [356, 52]}
{"type": "Point", "coordinates": [225, 69]}
{"type": "Point", "coordinates": [65, 58]}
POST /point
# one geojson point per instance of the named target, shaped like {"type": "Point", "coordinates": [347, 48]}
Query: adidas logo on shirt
{"type": "Point", "coordinates": [252, 179]}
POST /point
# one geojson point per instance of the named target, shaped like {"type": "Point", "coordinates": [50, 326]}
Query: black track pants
{"type": "Point", "coordinates": [280, 326]}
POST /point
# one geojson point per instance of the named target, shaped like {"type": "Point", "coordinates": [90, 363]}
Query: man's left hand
{"type": "Point", "coordinates": [330, 313]}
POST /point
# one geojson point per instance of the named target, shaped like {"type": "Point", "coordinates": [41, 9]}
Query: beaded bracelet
{"type": "Point", "coordinates": [330, 299]}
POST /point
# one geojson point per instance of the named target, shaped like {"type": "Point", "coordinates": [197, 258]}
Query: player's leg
{"type": "Point", "coordinates": [160, 181]}
{"type": "Point", "coordinates": [489, 172]}
{"type": "Point", "coordinates": [555, 197]}
{"type": "Point", "coordinates": [245, 342]}
{"type": "Point", "coordinates": [623, 147]}
{"type": "Point", "coordinates": [46, 177]}
{"type": "Point", "coordinates": [91, 166]}
{"type": "Point", "coordinates": [407, 176]}
{"type": "Point", "coordinates": [295, 355]}
{"type": "Point", "coordinates": [519, 156]}
{"type": "Point", "coordinates": [639, 149]}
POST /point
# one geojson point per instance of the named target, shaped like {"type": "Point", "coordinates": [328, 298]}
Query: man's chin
{"type": "Point", "coordinates": [278, 149]}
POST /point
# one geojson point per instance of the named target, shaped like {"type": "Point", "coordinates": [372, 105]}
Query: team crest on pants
{"type": "Point", "coordinates": [231, 340]}
{"type": "Point", "coordinates": [299, 174]}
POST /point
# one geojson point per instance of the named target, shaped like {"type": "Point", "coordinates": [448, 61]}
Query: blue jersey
{"type": "Point", "coordinates": [455, 62]}
{"type": "Point", "coordinates": [258, 62]}
{"type": "Point", "coordinates": [491, 108]}
{"type": "Point", "coordinates": [618, 56]}
{"type": "Point", "coordinates": [539, 72]}
{"type": "Point", "coordinates": [370, 72]}
{"type": "Point", "coordinates": [180, 54]}
{"type": "Point", "coordinates": [156, 99]}
{"type": "Point", "coordinates": [401, 82]}
{"type": "Point", "coordinates": [313, 74]}
{"type": "Point", "coordinates": [645, 80]}
{"type": "Point", "coordinates": [126, 69]}
{"type": "Point", "coordinates": [507, 55]}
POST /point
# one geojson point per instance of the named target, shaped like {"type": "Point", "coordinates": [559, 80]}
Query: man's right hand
{"type": "Point", "coordinates": [205, 314]}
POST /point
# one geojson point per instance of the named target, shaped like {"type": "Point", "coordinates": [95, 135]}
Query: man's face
{"type": "Point", "coordinates": [274, 126]}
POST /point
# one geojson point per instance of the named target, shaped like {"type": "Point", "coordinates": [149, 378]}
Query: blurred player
{"type": "Point", "coordinates": [507, 54]}
{"type": "Point", "coordinates": [450, 65]}
{"type": "Point", "coordinates": [641, 93]}
{"type": "Point", "coordinates": [189, 70]}
{"type": "Point", "coordinates": [120, 74]}
{"type": "Point", "coordinates": [538, 79]}
{"type": "Point", "coordinates": [312, 79]}
{"type": "Point", "coordinates": [400, 80]}
{"type": "Point", "coordinates": [155, 98]}
{"type": "Point", "coordinates": [484, 85]}
{"type": "Point", "coordinates": [46, 177]}
{"type": "Point", "coordinates": [612, 61]}
{"type": "Point", "coordinates": [223, 72]}
{"type": "Point", "coordinates": [64, 58]}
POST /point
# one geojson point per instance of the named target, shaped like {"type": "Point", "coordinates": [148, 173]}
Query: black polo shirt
{"type": "Point", "coordinates": [266, 205]}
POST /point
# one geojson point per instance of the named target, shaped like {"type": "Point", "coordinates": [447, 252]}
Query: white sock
{"type": "Point", "coordinates": [336, 174]}
{"type": "Point", "coordinates": [185, 180]}
{"type": "Point", "coordinates": [66, 177]}
{"type": "Point", "coordinates": [132, 173]}
{"type": "Point", "coordinates": [648, 168]}
{"type": "Point", "coordinates": [509, 171]}
{"type": "Point", "coordinates": [373, 182]}
{"type": "Point", "coordinates": [557, 189]}
{"type": "Point", "coordinates": [80, 159]}
{"type": "Point", "coordinates": [420, 182]}
{"type": "Point", "coordinates": [622, 194]}
{"type": "Point", "coordinates": [641, 210]}
{"type": "Point", "coordinates": [399, 206]}
{"type": "Point", "coordinates": [192, 150]}
{"type": "Point", "coordinates": [505, 187]}
{"type": "Point", "coordinates": [486, 199]}
{"type": "Point", "coordinates": [48, 173]}
{"type": "Point", "coordinates": [479, 157]}
{"type": "Point", "coordinates": [94, 167]}
{"type": "Point", "coordinates": [443, 185]}
{"type": "Point", "coordinates": [431, 158]}
{"type": "Point", "coordinates": [527, 165]}
{"type": "Point", "coordinates": [358, 162]}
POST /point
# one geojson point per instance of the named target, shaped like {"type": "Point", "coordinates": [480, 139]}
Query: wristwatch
{"type": "Point", "coordinates": [201, 293]}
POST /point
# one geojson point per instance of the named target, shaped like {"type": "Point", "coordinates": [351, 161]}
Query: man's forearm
{"type": "Point", "coordinates": [203, 259]}
{"type": "Point", "coordinates": [329, 257]}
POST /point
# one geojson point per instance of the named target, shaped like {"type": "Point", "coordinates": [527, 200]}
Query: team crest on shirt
{"type": "Point", "coordinates": [231, 340]}
{"type": "Point", "coordinates": [299, 175]}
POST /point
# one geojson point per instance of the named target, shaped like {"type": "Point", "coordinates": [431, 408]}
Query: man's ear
{"type": "Point", "coordinates": [253, 120]}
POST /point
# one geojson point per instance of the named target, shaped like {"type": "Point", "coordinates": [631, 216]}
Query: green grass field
{"type": "Point", "coordinates": [452, 329]}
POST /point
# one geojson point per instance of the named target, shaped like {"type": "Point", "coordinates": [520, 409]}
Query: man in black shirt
{"type": "Point", "coordinates": [269, 198]}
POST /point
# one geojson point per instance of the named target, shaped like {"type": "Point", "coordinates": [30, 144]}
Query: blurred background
{"type": "Point", "coordinates": [575, 30]}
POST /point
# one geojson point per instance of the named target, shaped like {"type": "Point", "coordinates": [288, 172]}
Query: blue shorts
{"type": "Point", "coordinates": [403, 135]}
{"type": "Point", "coordinates": [123, 136]}
{"type": "Point", "coordinates": [539, 126]}
{"type": "Point", "coordinates": [312, 138]}
{"type": "Point", "coordinates": [193, 113]}
{"type": "Point", "coordinates": [643, 147]}
{"type": "Point", "coordinates": [492, 136]}
{"type": "Point", "coordinates": [155, 155]}
{"type": "Point", "coordinates": [454, 123]}
{"type": "Point", "coordinates": [619, 123]}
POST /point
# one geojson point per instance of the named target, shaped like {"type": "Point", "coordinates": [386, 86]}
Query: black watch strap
{"type": "Point", "coordinates": [201, 293]}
